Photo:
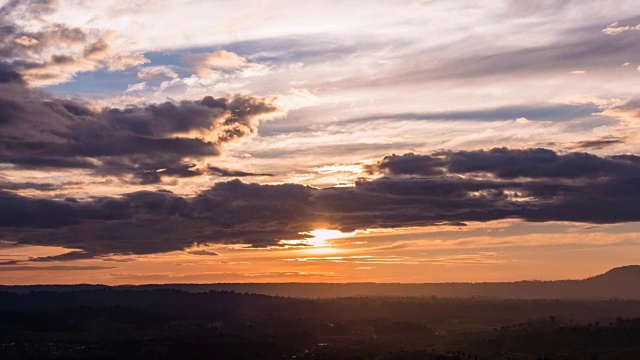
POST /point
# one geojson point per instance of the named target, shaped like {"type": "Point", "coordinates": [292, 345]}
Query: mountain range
{"type": "Point", "coordinates": [621, 283]}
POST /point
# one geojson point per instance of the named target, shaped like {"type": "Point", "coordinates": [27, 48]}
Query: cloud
{"type": "Point", "coordinates": [599, 143]}
{"type": "Point", "coordinates": [202, 253]}
{"type": "Point", "coordinates": [15, 186]}
{"type": "Point", "coordinates": [153, 222]}
{"type": "Point", "coordinates": [9, 76]}
{"type": "Point", "coordinates": [215, 170]}
{"type": "Point", "coordinates": [578, 48]}
{"type": "Point", "coordinates": [125, 61]}
{"type": "Point", "coordinates": [47, 53]}
{"type": "Point", "coordinates": [536, 185]}
{"type": "Point", "coordinates": [505, 163]}
{"type": "Point", "coordinates": [45, 56]}
{"type": "Point", "coordinates": [615, 28]}
{"type": "Point", "coordinates": [97, 50]}
{"type": "Point", "coordinates": [157, 73]}
{"type": "Point", "coordinates": [54, 268]}
{"type": "Point", "coordinates": [553, 112]}
{"type": "Point", "coordinates": [462, 259]}
{"type": "Point", "coordinates": [409, 164]}
{"type": "Point", "coordinates": [530, 184]}
{"type": "Point", "coordinates": [137, 87]}
{"type": "Point", "coordinates": [221, 60]}
{"type": "Point", "coordinates": [146, 142]}
{"type": "Point", "coordinates": [542, 7]}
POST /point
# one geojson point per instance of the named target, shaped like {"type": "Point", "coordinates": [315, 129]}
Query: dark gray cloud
{"type": "Point", "coordinates": [586, 145]}
{"type": "Point", "coordinates": [148, 142]}
{"type": "Point", "coordinates": [219, 171]}
{"type": "Point", "coordinates": [9, 76]}
{"type": "Point", "coordinates": [150, 222]}
{"type": "Point", "coordinates": [46, 162]}
{"type": "Point", "coordinates": [529, 184]}
{"type": "Point", "coordinates": [202, 253]}
{"type": "Point", "coordinates": [599, 143]}
{"type": "Point", "coordinates": [505, 163]}
{"type": "Point", "coordinates": [14, 186]}
{"type": "Point", "coordinates": [417, 190]}
{"type": "Point", "coordinates": [409, 164]}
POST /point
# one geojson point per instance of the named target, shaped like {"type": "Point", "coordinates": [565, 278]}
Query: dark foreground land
{"type": "Point", "coordinates": [173, 324]}
{"type": "Point", "coordinates": [595, 318]}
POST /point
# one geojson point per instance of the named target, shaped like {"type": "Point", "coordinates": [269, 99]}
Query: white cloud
{"type": "Point", "coordinates": [615, 28]}
{"type": "Point", "coordinates": [26, 41]}
{"type": "Point", "coordinates": [151, 73]}
{"type": "Point", "coordinates": [125, 61]}
{"type": "Point", "coordinates": [137, 87]}
{"type": "Point", "coordinates": [207, 63]}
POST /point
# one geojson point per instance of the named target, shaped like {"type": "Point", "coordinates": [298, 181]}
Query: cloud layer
{"type": "Point", "coordinates": [143, 142]}
{"type": "Point", "coordinates": [417, 190]}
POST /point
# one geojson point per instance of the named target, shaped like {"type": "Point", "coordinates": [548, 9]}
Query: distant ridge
{"type": "Point", "coordinates": [623, 273]}
{"type": "Point", "coordinates": [621, 283]}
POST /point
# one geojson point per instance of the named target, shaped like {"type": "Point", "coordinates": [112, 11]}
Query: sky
{"type": "Point", "coordinates": [155, 141]}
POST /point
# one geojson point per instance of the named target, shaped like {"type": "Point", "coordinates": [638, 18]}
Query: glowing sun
{"type": "Point", "coordinates": [321, 236]}
{"type": "Point", "coordinates": [317, 238]}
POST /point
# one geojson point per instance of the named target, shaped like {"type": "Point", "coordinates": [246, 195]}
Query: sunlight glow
{"type": "Point", "coordinates": [318, 238]}
{"type": "Point", "coordinates": [321, 235]}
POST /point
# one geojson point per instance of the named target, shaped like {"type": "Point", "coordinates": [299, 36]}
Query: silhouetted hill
{"type": "Point", "coordinates": [624, 274]}
{"type": "Point", "coordinates": [621, 283]}
{"type": "Point", "coordinates": [624, 282]}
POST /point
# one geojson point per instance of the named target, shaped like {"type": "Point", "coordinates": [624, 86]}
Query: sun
{"type": "Point", "coordinates": [320, 236]}
{"type": "Point", "coordinates": [317, 238]}
{"type": "Point", "coordinates": [324, 234]}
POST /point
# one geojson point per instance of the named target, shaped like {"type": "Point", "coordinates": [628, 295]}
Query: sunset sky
{"type": "Point", "coordinates": [156, 141]}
